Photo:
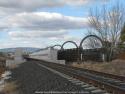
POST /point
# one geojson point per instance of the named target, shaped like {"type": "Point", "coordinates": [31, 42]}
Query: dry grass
{"type": "Point", "coordinates": [10, 88]}
{"type": "Point", "coordinates": [122, 56]}
{"type": "Point", "coordinates": [2, 58]}
{"type": "Point", "coordinates": [115, 67]}
{"type": "Point", "coordinates": [2, 65]}
{"type": "Point", "coordinates": [2, 70]}
{"type": "Point", "coordinates": [13, 66]}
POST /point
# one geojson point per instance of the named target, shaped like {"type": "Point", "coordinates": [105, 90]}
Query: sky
{"type": "Point", "coordinates": [42, 23]}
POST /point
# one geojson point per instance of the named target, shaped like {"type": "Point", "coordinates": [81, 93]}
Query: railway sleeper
{"type": "Point", "coordinates": [98, 91]}
{"type": "Point", "coordinates": [109, 88]}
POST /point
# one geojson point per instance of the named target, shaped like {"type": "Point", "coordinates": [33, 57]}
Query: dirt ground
{"type": "Point", "coordinates": [2, 69]}
{"type": "Point", "coordinates": [122, 56]}
{"type": "Point", "coordinates": [2, 65]}
{"type": "Point", "coordinates": [115, 67]}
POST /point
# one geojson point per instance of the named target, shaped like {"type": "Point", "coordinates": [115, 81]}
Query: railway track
{"type": "Point", "coordinates": [111, 83]}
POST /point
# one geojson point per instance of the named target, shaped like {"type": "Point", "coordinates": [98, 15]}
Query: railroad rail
{"type": "Point", "coordinates": [111, 83]}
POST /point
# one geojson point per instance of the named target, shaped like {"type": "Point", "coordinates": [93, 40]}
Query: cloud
{"type": "Point", "coordinates": [43, 21]}
{"type": "Point", "coordinates": [43, 26]}
{"type": "Point", "coordinates": [27, 27]}
{"type": "Point", "coordinates": [39, 37]}
{"type": "Point", "coordinates": [37, 34]}
{"type": "Point", "coordinates": [82, 2]}
{"type": "Point", "coordinates": [27, 5]}
{"type": "Point", "coordinates": [11, 6]}
{"type": "Point", "coordinates": [14, 43]}
{"type": "Point", "coordinates": [34, 28]}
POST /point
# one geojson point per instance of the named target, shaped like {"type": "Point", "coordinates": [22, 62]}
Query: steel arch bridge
{"type": "Point", "coordinates": [57, 45]}
{"type": "Point", "coordinates": [74, 55]}
{"type": "Point", "coordinates": [94, 36]}
{"type": "Point", "coordinates": [62, 47]}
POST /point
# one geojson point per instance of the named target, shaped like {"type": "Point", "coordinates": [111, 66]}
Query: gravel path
{"type": "Point", "coordinates": [32, 78]}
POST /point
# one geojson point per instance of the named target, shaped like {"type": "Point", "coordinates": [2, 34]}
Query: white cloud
{"type": "Point", "coordinates": [37, 34]}
{"type": "Point", "coordinates": [82, 2]}
{"type": "Point", "coordinates": [27, 5]}
{"type": "Point", "coordinates": [47, 38]}
{"type": "Point", "coordinates": [43, 21]}
{"type": "Point", "coordinates": [13, 44]}
{"type": "Point", "coordinates": [17, 6]}
{"type": "Point", "coordinates": [26, 27]}
{"type": "Point", "coordinates": [32, 29]}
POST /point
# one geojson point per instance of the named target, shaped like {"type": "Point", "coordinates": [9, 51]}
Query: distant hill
{"type": "Point", "coordinates": [25, 49]}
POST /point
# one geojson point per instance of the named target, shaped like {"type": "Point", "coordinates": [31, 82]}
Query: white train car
{"type": "Point", "coordinates": [47, 54]}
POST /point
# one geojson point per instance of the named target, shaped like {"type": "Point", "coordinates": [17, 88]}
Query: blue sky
{"type": "Point", "coordinates": [41, 23]}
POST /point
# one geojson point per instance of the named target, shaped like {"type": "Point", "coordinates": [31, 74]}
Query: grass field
{"type": "Point", "coordinates": [115, 67]}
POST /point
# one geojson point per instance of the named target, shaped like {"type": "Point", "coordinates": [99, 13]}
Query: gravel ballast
{"type": "Point", "coordinates": [32, 78]}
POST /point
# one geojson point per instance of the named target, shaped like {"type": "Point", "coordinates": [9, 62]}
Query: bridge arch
{"type": "Point", "coordinates": [57, 45]}
{"type": "Point", "coordinates": [94, 36]}
{"type": "Point", "coordinates": [62, 47]}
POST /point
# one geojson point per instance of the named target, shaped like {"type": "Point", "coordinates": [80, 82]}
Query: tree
{"type": "Point", "coordinates": [122, 36]}
{"type": "Point", "coordinates": [107, 24]}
